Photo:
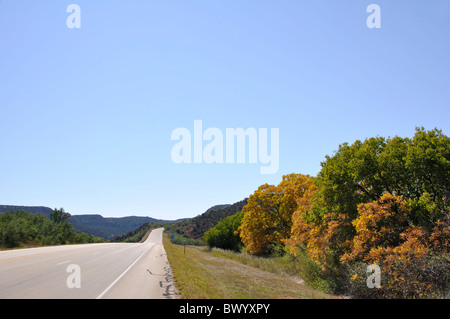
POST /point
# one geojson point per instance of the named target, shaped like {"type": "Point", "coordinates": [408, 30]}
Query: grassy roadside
{"type": "Point", "coordinates": [200, 274]}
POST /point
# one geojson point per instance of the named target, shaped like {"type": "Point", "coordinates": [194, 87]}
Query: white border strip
{"type": "Point", "coordinates": [126, 270]}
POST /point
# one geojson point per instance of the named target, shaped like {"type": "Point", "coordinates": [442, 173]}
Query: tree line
{"type": "Point", "coordinates": [19, 228]}
{"type": "Point", "coordinates": [382, 201]}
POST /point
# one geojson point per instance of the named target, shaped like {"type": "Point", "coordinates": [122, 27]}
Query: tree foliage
{"type": "Point", "coordinates": [383, 201]}
{"type": "Point", "coordinates": [379, 201]}
{"type": "Point", "coordinates": [59, 216]}
{"type": "Point", "coordinates": [414, 260]}
{"type": "Point", "coordinates": [268, 214]}
{"type": "Point", "coordinates": [19, 227]}
{"type": "Point", "coordinates": [224, 235]}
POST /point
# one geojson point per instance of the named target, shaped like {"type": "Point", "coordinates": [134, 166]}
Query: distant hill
{"type": "Point", "coordinates": [108, 227]}
{"type": "Point", "coordinates": [96, 225]}
{"type": "Point", "coordinates": [196, 227]}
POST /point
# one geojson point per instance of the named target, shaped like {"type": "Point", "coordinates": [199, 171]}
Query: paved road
{"type": "Point", "coordinates": [112, 270]}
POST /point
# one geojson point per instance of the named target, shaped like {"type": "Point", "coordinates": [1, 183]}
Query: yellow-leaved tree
{"type": "Point", "coordinates": [268, 214]}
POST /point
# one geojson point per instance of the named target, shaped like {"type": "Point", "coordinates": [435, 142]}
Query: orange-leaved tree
{"type": "Point", "coordinates": [410, 256]}
{"type": "Point", "coordinates": [268, 214]}
{"type": "Point", "coordinates": [376, 200]}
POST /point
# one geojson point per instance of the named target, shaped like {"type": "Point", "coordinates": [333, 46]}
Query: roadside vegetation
{"type": "Point", "coordinates": [203, 274]}
{"type": "Point", "coordinates": [178, 239]}
{"type": "Point", "coordinates": [382, 201]}
{"type": "Point", "coordinates": [22, 229]}
{"type": "Point", "coordinates": [224, 235]}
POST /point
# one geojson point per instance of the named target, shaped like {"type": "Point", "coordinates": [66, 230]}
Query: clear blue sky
{"type": "Point", "coordinates": [87, 114]}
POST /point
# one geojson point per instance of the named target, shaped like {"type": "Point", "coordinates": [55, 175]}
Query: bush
{"type": "Point", "coordinates": [178, 239]}
{"type": "Point", "coordinates": [427, 277]}
{"type": "Point", "coordinates": [224, 234]}
{"type": "Point", "coordinates": [20, 227]}
{"type": "Point", "coordinates": [380, 201]}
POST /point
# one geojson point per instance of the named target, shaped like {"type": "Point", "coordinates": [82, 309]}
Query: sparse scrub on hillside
{"type": "Point", "coordinates": [196, 227]}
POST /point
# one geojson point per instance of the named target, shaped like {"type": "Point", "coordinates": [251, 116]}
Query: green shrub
{"type": "Point", "coordinates": [20, 227]}
{"type": "Point", "coordinates": [178, 239]}
{"type": "Point", "coordinates": [223, 235]}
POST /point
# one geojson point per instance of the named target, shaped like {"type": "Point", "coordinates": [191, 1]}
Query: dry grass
{"type": "Point", "coordinates": [199, 274]}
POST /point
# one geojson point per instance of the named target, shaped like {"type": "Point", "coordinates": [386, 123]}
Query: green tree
{"type": "Point", "coordinates": [364, 171]}
{"type": "Point", "coordinates": [59, 216]}
{"type": "Point", "coordinates": [224, 234]}
{"type": "Point", "coordinates": [415, 169]}
{"type": "Point", "coordinates": [20, 227]}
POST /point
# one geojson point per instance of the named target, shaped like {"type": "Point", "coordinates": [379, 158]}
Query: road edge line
{"type": "Point", "coordinates": [122, 274]}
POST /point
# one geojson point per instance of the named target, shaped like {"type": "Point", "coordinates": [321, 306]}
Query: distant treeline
{"type": "Point", "coordinates": [19, 228]}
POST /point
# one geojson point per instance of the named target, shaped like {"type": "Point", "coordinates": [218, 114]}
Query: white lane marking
{"type": "Point", "coordinates": [62, 263]}
{"type": "Point", "coordinates": [121, 275]}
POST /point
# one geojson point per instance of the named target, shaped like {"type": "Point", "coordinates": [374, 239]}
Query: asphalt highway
{"type": "Point", "coordinates": [101, 271]}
